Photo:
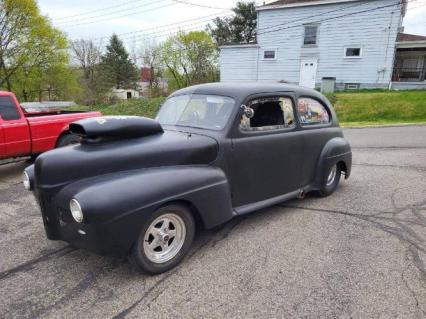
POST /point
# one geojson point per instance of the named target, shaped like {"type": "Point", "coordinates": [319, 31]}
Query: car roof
{"type": "Point", "coordinates": [241, 90]}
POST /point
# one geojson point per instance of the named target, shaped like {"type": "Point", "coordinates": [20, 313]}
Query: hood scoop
{"type": "Point", "coordinates": [103, 128]}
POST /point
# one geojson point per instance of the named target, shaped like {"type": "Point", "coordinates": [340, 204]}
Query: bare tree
{"type": "Point", "coordinates": [150, 53]}
{"type": "Point", "coordinates": [88, 55]}
{"type": "Point", "coordinates": [133, 52]}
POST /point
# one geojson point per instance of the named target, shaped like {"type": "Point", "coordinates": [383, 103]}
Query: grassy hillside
{"type": "Point", "coordinates": [380, 107]}
{"type": "Point", "coordinates": [143, 107]}
{"type": "Point", "coordinates": [354, 108]}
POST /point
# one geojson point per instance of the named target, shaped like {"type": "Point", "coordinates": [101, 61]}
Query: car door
{"type": "Point", "coordinates": [317, 124]}
{"type": "Point", "coordinates": [266, 151]}
{"type": "Point", "coordinates": [15, 129]}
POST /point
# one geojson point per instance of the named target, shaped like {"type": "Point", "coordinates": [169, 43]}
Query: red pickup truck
{"type": "Point", "coordinates": [26, 134]}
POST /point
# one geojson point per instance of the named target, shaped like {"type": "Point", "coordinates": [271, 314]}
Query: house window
{"type": "Point", "coordinates": [270, 54]}
{"type": "Point", "coordinates": [353, 52]}
{"type": "Point", "coordinates": [352, 86]}
{"type": "Point", "coordinates": [311, 32]}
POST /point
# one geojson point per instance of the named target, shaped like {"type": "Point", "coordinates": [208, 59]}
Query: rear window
{"type": "Point", "coordinates": [312, 112]}
{"type": "Point", "coordinates": [8, 109]}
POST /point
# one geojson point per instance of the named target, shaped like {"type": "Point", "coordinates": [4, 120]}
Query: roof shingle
{"type": "Point", "coordinates": [404, 37]}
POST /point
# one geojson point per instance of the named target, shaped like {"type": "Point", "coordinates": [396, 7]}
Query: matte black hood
{"type": "Point", "coordinates": [65, 165]}
{"type": "Point", "coordinates": [115, 127]}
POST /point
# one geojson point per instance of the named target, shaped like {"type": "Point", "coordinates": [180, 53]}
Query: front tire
{"type": "Point", "coordinates": [165, 239]}
{"type": "Point", "coordinates": [333, 178]}
{"type": "Point", "coordinates": [68, 139]}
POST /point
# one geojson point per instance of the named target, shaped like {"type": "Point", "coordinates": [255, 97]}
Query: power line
{"type": "Point", "coordinates": [315, 15]}
{"type": "Point", "coordinates": [200, 5]}
{"type": "Point", "coordinates": [162, 33]}
{"type": "Point", "coordinates": [165, 25]}
{"type": "Point", "coordinates": [144, 35]}
{"type": "Point", "coordinates": [332, 18]}
{"type": "Point", "coordinates": [335, 17]}
{"type": "Point", "coordinates": [69, 23]}
{"type": "Point", "coordinates": [97, 10]}
{"type": "Point", "coordinates": [120, 16]}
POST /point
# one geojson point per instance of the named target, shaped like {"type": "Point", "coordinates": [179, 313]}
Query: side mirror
{"type": "Point", "coordinates": [248, 111]}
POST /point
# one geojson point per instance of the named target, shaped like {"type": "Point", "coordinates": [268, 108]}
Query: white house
{"type": "Point", "coordinates": [125, 94]}
{"type": "Point", "coordinates": [304, 41]}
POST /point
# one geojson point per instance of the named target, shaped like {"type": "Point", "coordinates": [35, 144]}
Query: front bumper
{"type": "Point", "coordinates": [103, 238]}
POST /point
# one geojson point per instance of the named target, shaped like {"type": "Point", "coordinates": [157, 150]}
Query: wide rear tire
{"type": "Point", "coordinates": [333, 178]}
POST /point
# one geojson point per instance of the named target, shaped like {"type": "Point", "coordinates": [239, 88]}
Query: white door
{"type": "Point", "coordinates": [308, 73]}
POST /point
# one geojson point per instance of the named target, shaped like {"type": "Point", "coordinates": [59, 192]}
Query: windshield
{"type": "Point", "coordinates": [196, 110]}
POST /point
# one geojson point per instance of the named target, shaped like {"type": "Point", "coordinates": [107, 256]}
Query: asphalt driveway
{"type": "Point", "coordinates": [360, 253]}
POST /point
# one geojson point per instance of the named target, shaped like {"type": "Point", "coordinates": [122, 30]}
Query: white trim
{"type": "Point", "coordinates": [301, 4]}
{"type": "Point", "coordinates": [352, 47]}
{"type": "Point", "coordinates": [411, 44]}
{"type": "Point", "coordinates": [269, 49]}
{"type": "Point", "coordinates": [231, 46]}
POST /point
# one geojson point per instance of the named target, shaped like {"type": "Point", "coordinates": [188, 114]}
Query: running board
{"type": "Point", "coordinates": [241, 210]}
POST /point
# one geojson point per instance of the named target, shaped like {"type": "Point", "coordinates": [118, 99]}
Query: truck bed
{"type": "Point", "coordinates": [46, 113]}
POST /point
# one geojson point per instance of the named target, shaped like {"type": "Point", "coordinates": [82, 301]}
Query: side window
{"type": "Point", "coordinates": [312, 112]}
{"type": "Point", "coordinates": [269, 114]}
{"type": "Point", "coordinates": [8, 109]}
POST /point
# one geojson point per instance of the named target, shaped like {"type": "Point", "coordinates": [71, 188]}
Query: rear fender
{"type": "Point", "coordinates": [335, 151]}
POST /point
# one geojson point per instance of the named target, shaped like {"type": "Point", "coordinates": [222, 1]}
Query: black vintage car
{"type": "Point", "coordinates": [139, 186]}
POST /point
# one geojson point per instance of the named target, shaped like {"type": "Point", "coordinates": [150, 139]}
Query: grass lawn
{"type": "Point", "coordinates": [361, 108]}
{"type": "Point", "coordinates": [380, 108]}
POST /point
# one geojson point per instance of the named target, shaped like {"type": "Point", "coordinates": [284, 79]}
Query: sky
{"type": "Point", "coordinates": [148, 21]}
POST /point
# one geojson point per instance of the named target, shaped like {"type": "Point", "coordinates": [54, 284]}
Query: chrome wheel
{"type": "Point", "coordinates": [164, 238]}
{"type": "Point", "coordinates": [332, 176]}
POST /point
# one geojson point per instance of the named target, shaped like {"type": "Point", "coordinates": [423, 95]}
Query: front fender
{"type": "Point", "coordinates": [335, 150]}
{"type": "Point", "coordinates": [136, 193]}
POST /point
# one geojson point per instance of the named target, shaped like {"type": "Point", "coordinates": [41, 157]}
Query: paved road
{"type": "Point", "coordinates": [360, 253]}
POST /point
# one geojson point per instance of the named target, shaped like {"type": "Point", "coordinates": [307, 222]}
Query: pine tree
{"type": "Point", "coordinates": [241, 28]}
{"type": "Point", "coordinates": [117, 65]}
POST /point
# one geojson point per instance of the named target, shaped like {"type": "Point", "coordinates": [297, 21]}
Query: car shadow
{"type": "Point", "coordinates": [11, 173]}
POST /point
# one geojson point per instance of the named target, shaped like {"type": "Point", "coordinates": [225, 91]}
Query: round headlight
{"type": "Point", "coordinates": [76, 211]}
{"type": "Point", "coordinates": [26, 181]}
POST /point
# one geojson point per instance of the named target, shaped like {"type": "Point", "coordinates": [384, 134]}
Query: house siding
{"type": "Point", "coordinates": [375, 32]}
{"type": "Point", "coordinates": [238, 63]}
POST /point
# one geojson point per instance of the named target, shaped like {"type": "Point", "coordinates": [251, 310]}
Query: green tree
{"type": "Point", "coordinates": [30, 48]}
{"type": "Point", "coordinates": [241, 28]}
{"type": "Point", "coordinates": [117, 65]}
{"type": "Point", "coordinates": [189, 58]}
